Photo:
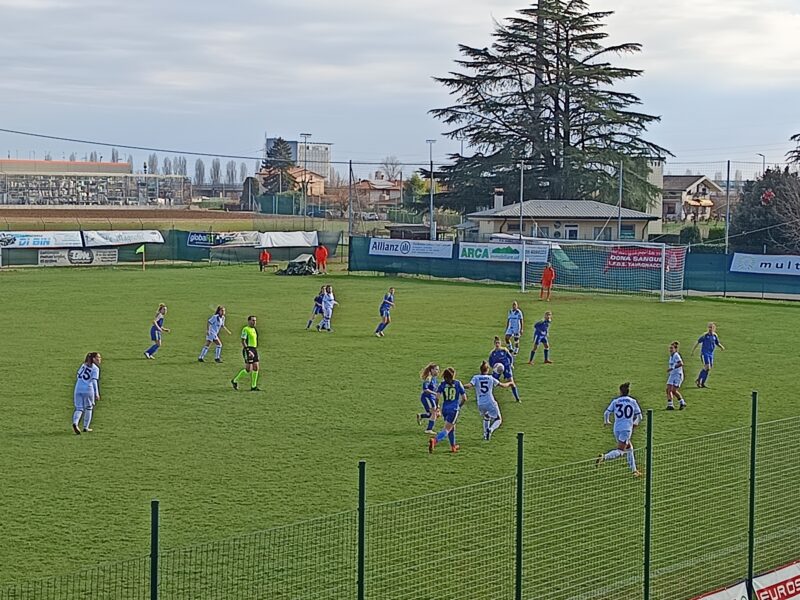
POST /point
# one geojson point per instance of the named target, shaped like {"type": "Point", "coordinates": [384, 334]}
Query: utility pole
{"type": "Point", "coordinates": [432, 216]}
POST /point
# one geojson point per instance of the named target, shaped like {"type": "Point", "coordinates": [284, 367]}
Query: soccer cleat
{"type": "Point", "coordinates": [380, 334]}
{"type": "Point", "coordinates": [377, 334]}
{"type": "Point", "coordinates": [146, 355]}
{"type": "Point", "coordinates": [670, 407]}
{"type": "Point", "coordinates": [697, 383]}
{"type": "Point", "coordinates": [419, 419]}
{"type": "Point", "coordinates": [682, 405]}
{"type": "Point", "coordinates": [530, 362]}
{"type": "Point", "coordinates": [234, 384]}
{"type": "Point", "coordinates": [88, 430]}
{"type": "Point", "coordinates": [255, 389]}
{"type": "Point", "coordinates": [76, 429]}
{"type": "Point", "coordinates": [201, 360]}
{"type": "Point", "coordinates": [637, 474]}
{"type": "Point", "coordinates": [548, 362]}
{"type": "Point", "coordinates": [703, 385]}
{"type": "Point", "coordinates": [430, 432]}
{"type": "Point", "coordinates": [599, 460]}
{"type": "Point", "coordinates": [431, 445]}
{"type": "Point", "coordinates": [218, 360]}
{"type": "Point", "coordinates": [319, 329]}
{"type": "Point", "coordinates": [455, 448]}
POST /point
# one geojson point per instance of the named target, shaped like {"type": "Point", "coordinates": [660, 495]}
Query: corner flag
{"type": "Point", "coordinates": [140, 249]}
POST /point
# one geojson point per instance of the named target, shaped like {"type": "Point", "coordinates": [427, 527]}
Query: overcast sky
{"type": "Point", "coordinates": [213, 77]}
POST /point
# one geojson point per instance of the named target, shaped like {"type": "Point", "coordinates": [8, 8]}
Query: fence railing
{"type": "Point", "coordinates": [709, 512]}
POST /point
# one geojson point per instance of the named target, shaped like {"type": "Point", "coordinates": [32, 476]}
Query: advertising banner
{"type": "Point", "coordinates": [82, 257]}
{"type": "Point", "coordinates": [633, 258]}
{"type": "Point", "coordinates": [783, 584]}
{"type": "Point", "coordinates": [288, 239]}
{"type": "Point", "coordinates": [410, 248]}
{"type": "Point", "coordinates": [766, 264]}
{"type": "Point", "coordinates": [737, 592]}
{"type": "Point", "coordinates": [230, 239]}
{"type": "Point", "coordinates": [41, 239]}
{"type": "Point", "coordinates": [93, 239]}
{"type": "Point", "coordinates": [534, 253]}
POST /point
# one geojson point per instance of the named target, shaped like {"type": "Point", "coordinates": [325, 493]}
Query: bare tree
{"type": "Point", "coordinates": [179, 165]}
{"type": "Point", "coordinates": [93, 156]}
{"type": "Point", "coordinates": [152, 164]}
{"type": "Point", "coordinates": [114, 155]}
{"type": "Point", "coordinates": [216, 172]}
{"type": "Point", "coordinates": [48, 156]}
{"type": "Point", "coordinates": [199, 172]}
{"type": "Point", "coordinates": [166, 167]}
{"type": "Point", "coordinates": [242, 171]}
{"type": "Point", "coordinates": [793, 156]}
{"type": "Point", "coordinates": [391, 167]}
{"type": "Point", "coordinates": [230, 173]}
{"type": "Point", "coordinates": [72, 157]}
{"type": "Point", "coordinates": [130, 159]}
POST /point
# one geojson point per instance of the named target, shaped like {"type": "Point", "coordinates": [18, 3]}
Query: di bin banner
{"type": "Point", "coordinates": [79, 257]}
{"type": "Point", "coordinates": [765, 264]}
{"type": "Point", "coordinates": [41, 239]}
{"type": "Point", "coordinates": [230, 239]}
{"type": "Point", "coordinates": [534, 253]}
{"type": "Point", "coordinates": [93, 239]}
{"type": "Point", "coordinates": [781, 584]}
{"type": "Point", "coordinates": [737, 592]}
{"type": "Point", "coordinates": [410, 248]}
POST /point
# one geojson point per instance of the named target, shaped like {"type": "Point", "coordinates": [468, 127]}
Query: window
{"type": "Point", "coordinates": [512, 226]}
{"type": "Point", "coordinates": [571, 232]}
{"type": "Point", "coordinates": [627, 232]}
{"type": "Point", "coordinates": [602, 233]}
{"type": "Point", "coordinates": [544, 232]}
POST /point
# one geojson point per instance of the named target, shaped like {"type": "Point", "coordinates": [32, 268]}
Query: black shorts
{"type": "Point", "coordinates": [250, 355]}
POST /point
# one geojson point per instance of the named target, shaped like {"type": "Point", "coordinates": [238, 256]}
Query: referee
{"type": "Point", "coordinates": [250, 355]}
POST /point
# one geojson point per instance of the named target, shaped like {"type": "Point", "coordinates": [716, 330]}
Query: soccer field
{"type": "Point", "coordinates": [223, 462]}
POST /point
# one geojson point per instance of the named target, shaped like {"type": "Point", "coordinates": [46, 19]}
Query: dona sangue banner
{"type": "Point", "coordinates": [228, 239]}
{"type": "Point", "coordinates": [534, 253]}
{"type": "Point", "coordinates": [410, 248]}
{"type": "Point", "coordinates": [92, 239]}
{"type": "Point", "coordinates": [737, 592]}
{"type": "Point", "coordinates": [78, 257]}
{"type": "Point", "coordinates": [765, 264]}
{"type": "Point", "coordinates": [41, 239]}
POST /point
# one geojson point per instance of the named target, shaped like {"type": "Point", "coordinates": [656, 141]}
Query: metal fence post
{"type": "Point", "coordinates": [751, 528]}
{"type": "Point", "coordinates": [519, 529]}
{"type": "Point", "coordinates": [362, 517]}
{"type": "Point", "coordinates": [154, 550]}
{"type": "Point", "coordinates": [648, 503]}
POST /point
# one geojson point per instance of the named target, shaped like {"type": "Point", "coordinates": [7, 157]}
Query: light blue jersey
{"type": "Point", "coordinates": [215, 325]}
{"type": "Point", "coordinates": [514, 326]}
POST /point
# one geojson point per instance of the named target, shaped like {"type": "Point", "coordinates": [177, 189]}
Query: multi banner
{"type": "Point", "coordinates": [766, 264]}
{"type": "Point", "coordinates": [78, 257]}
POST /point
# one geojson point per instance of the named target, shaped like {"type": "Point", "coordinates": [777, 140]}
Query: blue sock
{"type": "Point", "coordinates": [441, 435]}
{"type": "Point", "coordinates": [308, 325]}
{"type": "Point", "coordinates": [381, 326]}
{"type": "Point", "coordinates": [703, 376]}
{"type": "Point", "coordinates": [515, 392]}
{"type": "Point", "coordinates": [546, 354]}
{"type": "Point", "coordinates": [152, 349]}
{"type": "Point", "coordinates": [430, 425]}
{"type": "Point", "coordinates": [533, 353]}
{"type": "Point", "coordinates": [452, 437]}
{"type": "Point", "coordinates": [384, 326]}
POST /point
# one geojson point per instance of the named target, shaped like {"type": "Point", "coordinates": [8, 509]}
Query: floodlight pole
{"type": "Point", "coordinates": [433, 219]}
{"type": "Point", "coordinates": [727, 207]}
{"type": "Point", "coordinates": [619, 207]}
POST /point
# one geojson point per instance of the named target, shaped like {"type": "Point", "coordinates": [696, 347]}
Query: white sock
{"type": "Point", "coordinates": [87, 418]}
{"type": "Point", "coordinates": [612, 454]}
{"type": "Point", "coordinates": [485, 425]}
{"type": "Point", "coordinates": [631, 459]}
{"type": "Point", "coordinates": [76, 417]}
{"type": "Point", "coordinates": [218, 351]}
{"type": "Point", "coordinates": [495, 424]}
{"type": "Point", "coordinates": [203, 351]}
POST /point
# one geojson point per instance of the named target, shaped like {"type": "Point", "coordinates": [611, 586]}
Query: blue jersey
{"type": "Point", "coordinates": [709, 342]}
{"type": "Point", "coordinates": [429, 388]}
{"type": "Point", "coordinates": [451, 394]}
{"type": "Point", "coordinates": [502, 356]}
{"type": "Point", "coordinates": [388, 302]}
{"type": "Point", "coordinates": [541, 328]}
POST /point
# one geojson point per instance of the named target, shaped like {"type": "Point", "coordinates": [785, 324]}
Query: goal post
{"type": "Point", "coordinates": [633, 268]}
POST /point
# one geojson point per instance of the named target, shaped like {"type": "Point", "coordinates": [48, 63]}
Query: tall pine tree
{"type": "Point", "coordinates": [275, 169]}
{"type": "Point", "coordinates": [546, 94]}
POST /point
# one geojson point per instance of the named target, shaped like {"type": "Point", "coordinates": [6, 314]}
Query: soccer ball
{"type": "Point", "coordinates": [499, 368]}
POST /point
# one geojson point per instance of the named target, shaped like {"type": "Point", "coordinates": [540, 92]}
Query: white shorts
{"type": "Point", "coordinates": [623, 436]}
{"type": "Point", "coordinates": [675, 379]}
{"type": "Point", "coordinates": [327, 313]}
{"type": "Point", "coordinates": [83, 400]}
{"type": "Point", "coordinates": [489, 410]}
{"type": "Point", "coordinates": [214, 338]}
{"type": "Point", "coordinates": [513, 331]}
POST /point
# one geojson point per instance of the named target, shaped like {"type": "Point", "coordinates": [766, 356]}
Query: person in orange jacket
{"type": "Point", "coordinates": [263, 259]}
{"type": "Point", "coordinates": [548, 278]}
{"type": "Point", "coordinates": [321, 256]}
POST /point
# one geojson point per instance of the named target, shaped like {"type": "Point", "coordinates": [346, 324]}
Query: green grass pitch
{"type": "Point", "coordinates": [224, 462]}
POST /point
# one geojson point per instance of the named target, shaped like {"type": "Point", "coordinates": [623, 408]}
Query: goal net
{"type": "Point", "coordinates": [612, 267]}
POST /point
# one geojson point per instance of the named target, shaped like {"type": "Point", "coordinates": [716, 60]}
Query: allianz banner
{"type": "Point", "coordinates": [410, 248]}
{"type": "Point", "coordinates": [41, 239]}
{"type": "Point", "coordinates": [229, 239]}
{"type": "Point", "coordinates": [766, 264]}
{"type": "Point", "coordinates": [79, 257]}
{"type": "Point", "coordinates": [534, 253]}
{"type": "Point", "coordinates": [93, 239]}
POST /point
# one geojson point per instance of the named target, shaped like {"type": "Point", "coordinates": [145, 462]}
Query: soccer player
{"type": "Point", "coordinates": [548, 278]}
{"type": "Point", "coordinates": [321, 256]}
{"type": "Point", "coordinates": [627, 416]}
{"type": "Point", "coordinates": [86, 391]}
{"type": "Point", "coordinates": [328, 302]}
{"type": "Point", "coordinates": [709, 342]}
{"type": "Point", "coordinates": [317, 310]}
{"type": "Point", "coordinates": [502, 356]}
{"type": "Point", "coordinates": [490, 411]}
{"type": "Point", "coordinates": [215, 323]}
{"type": "Point", "coordinates": [514, 327]}
{"type": "Point", "coordinates": [428, 398]}
{"type": "Point", "coordinates": [453, 398]}
{"type": "Point", "coordinates": [675, 377]}
{"type": "Point", "coordinates": [250, 355]}
{"type": "Point", "coordinates": [157, 329]}
{"type": "Point", "coordinates": [386, 306]}
{"type": "Point", "coordinates": [541, 331]}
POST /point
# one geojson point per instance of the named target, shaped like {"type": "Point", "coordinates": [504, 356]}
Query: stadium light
{"type": "Point", "coordinates": [433, 219]}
